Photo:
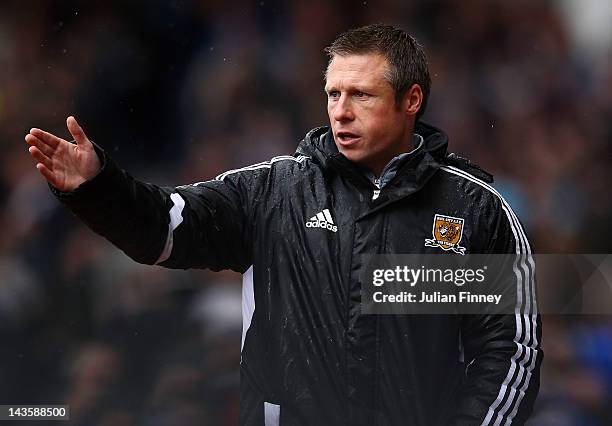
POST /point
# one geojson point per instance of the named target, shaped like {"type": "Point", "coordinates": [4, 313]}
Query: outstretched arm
{"type": "Point", "coordinates": [196, 226]}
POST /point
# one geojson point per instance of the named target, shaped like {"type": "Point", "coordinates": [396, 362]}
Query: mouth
{"type": "Point", "coordinates": [346, 138]}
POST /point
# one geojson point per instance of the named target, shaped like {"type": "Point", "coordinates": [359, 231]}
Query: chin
{"type": "Point", "coordinates": [355, 156]}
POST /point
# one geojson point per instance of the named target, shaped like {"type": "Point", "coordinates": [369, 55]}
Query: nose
{"type": "Point", "coordinates": [342, 110]}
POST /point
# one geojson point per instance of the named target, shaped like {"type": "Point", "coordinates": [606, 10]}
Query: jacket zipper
{"type": "Point", "coordinates": [376, 192]}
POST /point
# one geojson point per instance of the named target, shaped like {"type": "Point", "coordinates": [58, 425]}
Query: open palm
{"type": "Point", "coordinates": [63, 164]}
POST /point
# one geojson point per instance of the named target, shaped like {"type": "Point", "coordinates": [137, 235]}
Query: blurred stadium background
{"type": "Point", "coordinates": [178, 91]}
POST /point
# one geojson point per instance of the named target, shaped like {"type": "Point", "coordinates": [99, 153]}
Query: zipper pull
{"type": "Point", "coordinates": [377, 190]}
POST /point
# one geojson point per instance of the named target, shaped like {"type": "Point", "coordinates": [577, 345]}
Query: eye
{"type": "Point", "coordinates": [359, 94]}
{"type": "Point", "coordinates": [333, 94]}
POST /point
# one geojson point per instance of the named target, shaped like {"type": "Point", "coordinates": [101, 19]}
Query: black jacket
{"type": "Point", "coordinates": [296, 227]}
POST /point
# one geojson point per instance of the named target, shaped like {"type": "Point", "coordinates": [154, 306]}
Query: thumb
{"type": "Point", "coordinates": [76, 131]}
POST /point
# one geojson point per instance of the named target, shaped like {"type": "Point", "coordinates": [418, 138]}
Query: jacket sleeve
{"type": "Point", "coordinates": [204, 225]}
{"type": "Point", "coordinates": [502, 348]}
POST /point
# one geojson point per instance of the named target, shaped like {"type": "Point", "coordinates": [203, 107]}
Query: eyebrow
{"type": "Point", "coordinates": [354, 88]}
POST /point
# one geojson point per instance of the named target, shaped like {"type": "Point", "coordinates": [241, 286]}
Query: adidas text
{"type": "Point", "coordinates": [321, 224]}
{"type": "Point", "coordinates": [324, 220]}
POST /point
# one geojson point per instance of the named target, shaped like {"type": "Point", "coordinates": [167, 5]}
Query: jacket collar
{"type": "Point", "coordinates": [410, 171]}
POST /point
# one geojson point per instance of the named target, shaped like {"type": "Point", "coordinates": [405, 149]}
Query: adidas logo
{"type": "Point", "coordinates": [322, 220]}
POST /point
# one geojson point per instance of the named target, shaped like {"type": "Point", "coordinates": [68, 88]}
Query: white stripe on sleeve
{"type": "Point", "coordinates": [176, 218]}
{"type": "Point", "coordinates": [271, 414]}
{"type": "Point", "coordinates": [525, 339]}
{"type": "Point", "coordinates": [248, 303]}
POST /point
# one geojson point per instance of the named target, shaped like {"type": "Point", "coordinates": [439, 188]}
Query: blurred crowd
{"type": "Point", "coordinates": [178, 91]}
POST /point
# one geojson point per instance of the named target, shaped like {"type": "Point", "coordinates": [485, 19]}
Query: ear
{"type": "Point", "coordinates": [413, 99]}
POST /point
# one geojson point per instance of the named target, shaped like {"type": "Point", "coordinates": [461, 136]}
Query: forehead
{"type": "Point", "coordinates": [357, 69]}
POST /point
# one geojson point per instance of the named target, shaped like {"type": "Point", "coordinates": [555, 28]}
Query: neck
{"type": "Point", "coordinates": [406, 145]}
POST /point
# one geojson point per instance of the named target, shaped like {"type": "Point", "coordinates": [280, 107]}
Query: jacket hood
{"type": "Point", "coordinates": [320, 146]}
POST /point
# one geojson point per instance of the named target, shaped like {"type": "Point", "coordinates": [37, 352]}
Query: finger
{"type": "Point", "coordinates": [47, 174]}
{"type": "Point", "coordinates": [34, 141]}
{"type": "Point", "coordinates": [48, 138]}
{"type": "Point", "coordinates": [76, 131]}
{"type": "Point", "coordinates": [40, 157]}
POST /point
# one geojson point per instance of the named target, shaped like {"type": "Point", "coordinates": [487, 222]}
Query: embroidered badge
{"type": "Point", "coordinates": [447, 232]}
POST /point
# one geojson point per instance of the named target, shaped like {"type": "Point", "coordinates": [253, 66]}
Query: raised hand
{"type": "Point", "coordinates": [63, 164]}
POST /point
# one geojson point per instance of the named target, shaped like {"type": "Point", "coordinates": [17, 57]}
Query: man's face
{"type": "Point", "coordinates": [369, 128]}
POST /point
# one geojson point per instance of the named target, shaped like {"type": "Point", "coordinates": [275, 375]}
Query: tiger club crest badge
{"type": "Point", "coordinates": [447, 232]}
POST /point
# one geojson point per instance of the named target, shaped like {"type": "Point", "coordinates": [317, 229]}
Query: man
{"type": "Point", "coordinates": [298, 226]}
